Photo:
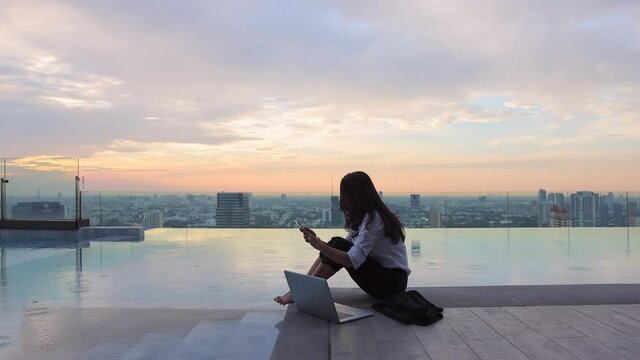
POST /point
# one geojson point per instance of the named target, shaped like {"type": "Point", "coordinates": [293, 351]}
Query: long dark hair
{"type": "Point", "coordinates": [359, 197]}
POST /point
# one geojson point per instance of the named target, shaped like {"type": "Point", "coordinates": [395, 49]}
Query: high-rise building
{"type": "Point", "coordinates": [283, 197]}
{"type": "Point", "coordinates": [544, 213]}
{"type": "Point", "coordinates": [435, 218]}
{"type": "Point", "coordinates": [583, 209]}
{"type": "Point", "coordinates": [414, 200]}
{"type": "Point", "coordinates": [556, 199]}
{"type": "Point", "coordinates": [381, 194]}
{"type": "Point", "coordinates": [326, 216]}
{"type": "Point", "coordinates": [559, 217]}
{"type": "Point", "coordinates": [153, 219]}
{"type": "Point", "coordinates": [603, 212]}
{"type": "Point", "coordinates": [232, 210]}
{"type": "Point", "coordinates": [632, 209]}
{"type": "Point", "coordinates": [618, 215]}
{"type": "Point", "coordinates": [542, 195]}
{"type": "Point", "coordinates": [337, 219]}
{"type": "Point", "coordinates": [38, 210]}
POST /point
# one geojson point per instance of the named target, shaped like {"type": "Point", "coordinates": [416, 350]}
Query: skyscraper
{"type": "Point", "coordinates": [632, 208]}
{"type": "Point", "coordinates": [414, 200]}
{"type": "Point", "coordinates": [603, 212]}
{"type": "Point", "coordinates": [583, 209]}
{"type": "Point", "coordinates": [542, 195]}
{"type": "Point", "coordinates": [559, 217]}
{"type": "Point", "coordinates": [153, 219]}
{"type": "Point", "coordinates": [556, 199]}
{"type": "Point", "coordinates": [337, 219]}
{"type": "Point", "coordinates": [435, 218]}
{"type": "Point", "coordinates": [326, 216]}
{"type": "Point", "coordinates": [618, 215]}
{"type": "Point", "coordinates": [232, 210]}
{"type": "Point", "coordinates": [544, 213]}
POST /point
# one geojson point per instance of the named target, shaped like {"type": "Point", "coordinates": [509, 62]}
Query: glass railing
{"type": "Point", "coordinates": [50, 188]}
{"type": "Point", "coordinates": [40, 188]}
{"type": "Point", "coordinates": [419, 210]}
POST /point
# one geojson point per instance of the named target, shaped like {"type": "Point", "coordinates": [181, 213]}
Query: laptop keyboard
{"type": "Point", "coordinates": [343, 315]}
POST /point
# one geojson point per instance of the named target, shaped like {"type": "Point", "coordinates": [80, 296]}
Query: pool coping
{"type": "Point", "coordinates": [510, 295]}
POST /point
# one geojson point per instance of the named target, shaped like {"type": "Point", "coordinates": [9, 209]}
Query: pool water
{"type": "Point", "coordinates": [242, 268]}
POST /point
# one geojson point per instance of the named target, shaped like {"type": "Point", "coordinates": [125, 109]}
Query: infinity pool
{"type": "Point", "coordinates": [220, 268]}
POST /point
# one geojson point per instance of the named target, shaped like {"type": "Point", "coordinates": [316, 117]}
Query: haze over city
{"type": "Point", "coordinates": [291, 95]}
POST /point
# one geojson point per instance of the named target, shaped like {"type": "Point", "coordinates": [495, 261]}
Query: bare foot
{"type": "Point", "coordinates": [284, 299]}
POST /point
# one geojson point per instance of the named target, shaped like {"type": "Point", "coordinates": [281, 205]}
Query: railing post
{"type": "Point", "coordinates": [77, 218]}
{"type": "Point", "coordinates": [3, 192]}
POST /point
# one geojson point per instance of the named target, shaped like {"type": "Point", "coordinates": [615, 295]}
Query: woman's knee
{"type": "Point", "coordinates": [337, 243]}
{"type": "Point", "coordinates": [340, 243]}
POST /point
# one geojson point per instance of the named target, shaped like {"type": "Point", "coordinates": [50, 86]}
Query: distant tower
{"type": "Point", "coordinates": [603, 211]}
{"type": "Point", "coordinates": [556, 199]}
{"type": "Point", "coordinates": [632, 209]}
{"type": "Point", "coordinates": [544, 213]}
{"type": "Point", "coordinates": [337, 219]}
{"type": "Point", "coordinates": [414, 200]}
{"type": "Point", "coordinates": [435, 218]}
{"type": "Point", "coordinates": [542, 195]}
{"type": "Point", "coordinates": [232, 210]}
{"type": "Point", "coordinates": [326, 216]}
{"type": "Point", "coordinates": [381, 194]}
{"type": "Point", "coordinates": [559, 217]}
{"type": "Point", "coordinates": [153, 219]}
{"type": "Point", "coordinates": [283, 197]}
{"type": "Point", "coordinates": [618, 218]}
{"type": "Point", "coordinates": [583, 208]}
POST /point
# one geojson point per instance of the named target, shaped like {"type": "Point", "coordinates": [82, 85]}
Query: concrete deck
{"type": "Point", "coordinates": [597, 332]}
{"type": "Point", "coordinates": [497, 322]}
{"type": "Point", "coordinates": [502, 322]}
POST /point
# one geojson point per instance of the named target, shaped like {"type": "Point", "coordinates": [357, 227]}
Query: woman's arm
{"type": "Point", "coordinates": [334, 254]}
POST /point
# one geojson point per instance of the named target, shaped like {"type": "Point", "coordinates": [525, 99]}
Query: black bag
{"type": "Point", "coordinates": [410, 308]}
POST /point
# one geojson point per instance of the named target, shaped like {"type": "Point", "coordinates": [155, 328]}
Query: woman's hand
{"type": "Point", "coordinates": [311, 237]}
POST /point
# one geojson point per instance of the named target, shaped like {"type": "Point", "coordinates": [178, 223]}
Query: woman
{"type": "Point", "coordinates": [373, 252]}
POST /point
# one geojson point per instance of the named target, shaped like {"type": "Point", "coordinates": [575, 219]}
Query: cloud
{"type": "Point", "coordinates": [254, 83]}
{"type": "Point", "coordinates": [46, 79]}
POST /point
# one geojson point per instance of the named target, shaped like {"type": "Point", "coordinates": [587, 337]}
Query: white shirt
{"type": "Point", "coordinates": [371, 241]}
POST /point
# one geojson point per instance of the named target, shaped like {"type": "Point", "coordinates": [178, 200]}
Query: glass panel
{"type": "Point", "coordinates": [633, 209]}
{"type": "Point", "coordinates": [316, 210]}
{"type": "Point", "coordinates": [41, 188]}
{"type": "Point", "coordinates": [524, 210]}
{"type": "Point", "coordinates": [476, 210]}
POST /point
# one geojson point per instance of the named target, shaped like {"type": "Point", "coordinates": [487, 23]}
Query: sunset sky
{"type": "Point", "coordinates": [286, 95]}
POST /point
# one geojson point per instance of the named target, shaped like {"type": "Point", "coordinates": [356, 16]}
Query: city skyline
{"type": "Point", "coordinates": [290, 96]}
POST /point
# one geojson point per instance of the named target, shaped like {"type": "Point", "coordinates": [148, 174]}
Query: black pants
{"type": "Point", "coordinates": [371, 277]}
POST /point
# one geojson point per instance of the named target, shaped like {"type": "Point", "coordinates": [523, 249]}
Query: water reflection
{"type": "Point", "coordinates": [3, 267]}
{"type": "Point", "coordinates": [415, 248]}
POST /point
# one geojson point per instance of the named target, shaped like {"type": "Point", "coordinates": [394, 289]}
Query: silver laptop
{"type": "Point", "coordinates": [312, 296]}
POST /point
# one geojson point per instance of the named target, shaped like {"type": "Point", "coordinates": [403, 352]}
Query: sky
{"type": "Point", "coordinates": [264, 96]}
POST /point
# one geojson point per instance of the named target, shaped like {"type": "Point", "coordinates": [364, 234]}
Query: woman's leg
{"type": "Point", "coordinates": [318, 269]}
{"type": "Point", "coordinates": [377, 281]}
